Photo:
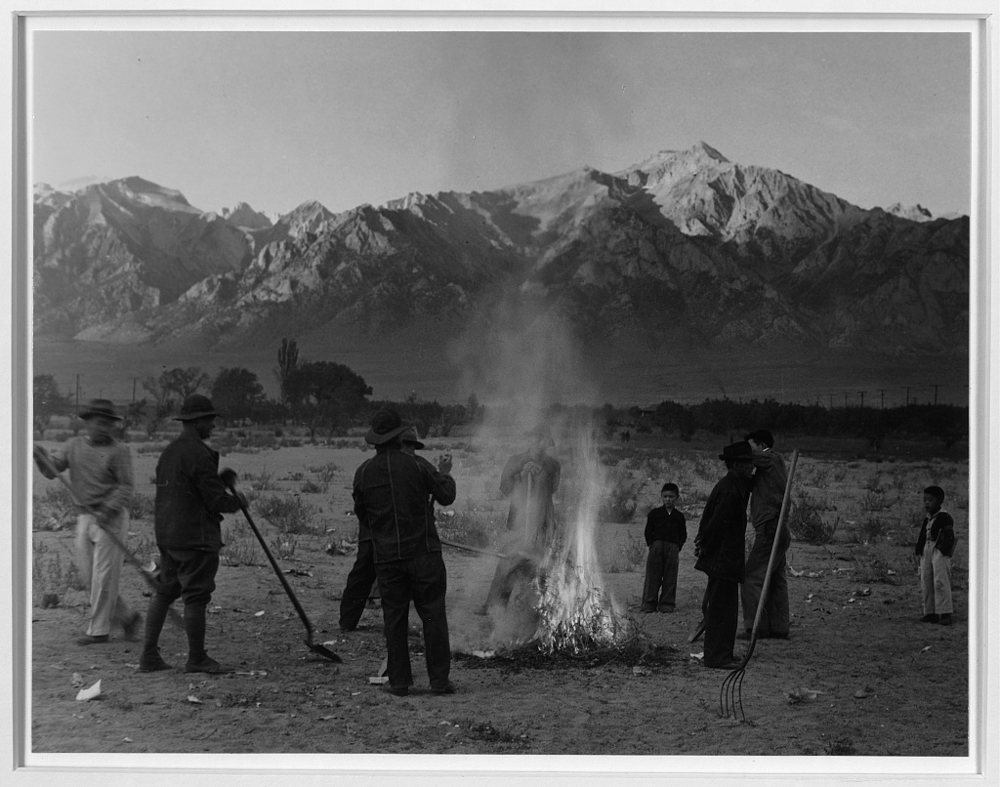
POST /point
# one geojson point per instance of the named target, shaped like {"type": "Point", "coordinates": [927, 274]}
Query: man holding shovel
{"type": "Point", "coordinates": [100, 480]}
{"type": "Point", "coordinates": [190, 502]}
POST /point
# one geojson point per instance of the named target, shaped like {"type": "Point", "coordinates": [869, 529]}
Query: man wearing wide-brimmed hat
{"type": "Point", "coordinates": [391, 493]}
{"type": "Point", "coordinates": [361, 578]}
{"type": "Point", "coordinates": [100, 478]}
{"type": "Point", "coordinates": [720, 548]}
{"type": "Point", "coordinates": [190, 502]}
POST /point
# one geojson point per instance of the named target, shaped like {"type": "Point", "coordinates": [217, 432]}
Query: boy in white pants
{"type": "Point", "coordinates": [935, 546]}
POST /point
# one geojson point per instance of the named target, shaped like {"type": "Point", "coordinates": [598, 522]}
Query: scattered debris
{"type": "Point", "coordinates": [864, 693]}
{"type": "Point", "coordinates": [378, 681]}
{"type": "Point", "coordinates": [258, 614]}
{"type": "Point", "coordinates": [924, 650]}
{"type": "Point", "coordinates": [344, 547]}
{"type": "Point", "coordinates": [253, 673]}
{"type": "Point", "coordinates": [802, 694]}
{"type": "Point", "coordinates": [866, 591]}
{"type": "Point", "coordinates": [298, 572]}
{"type": "Point", "coordinates": [484, 654]}
{"type": "Point", "coordinates": [194, 700]}
{"type": "Point", "coordinates": [639, 671]}
{"type": "Point", "coordinates": [77, 680]}
{"type": "Point", "coordinates": [89, 694]}
{"type": "Point", "coordinates": [126, 740]}
{"type": "Point", "coordinates": [698, 656]}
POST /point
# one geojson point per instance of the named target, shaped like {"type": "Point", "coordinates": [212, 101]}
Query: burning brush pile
{"type": "Point", "coordinates": [561, 606]}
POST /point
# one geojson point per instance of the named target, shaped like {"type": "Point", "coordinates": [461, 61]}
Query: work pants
{"type": "Point", "coordinates": [188, 574]}
{"type": "Point", "coordinates": [774, 617]}
{"type": "Point", "coordinates": [661, 577]}
{"type": "Point", "coordinates": [935, 581]}
{"type": "Point", "coordinates": [101, 568]}
{"type": "Point", "coordinates": [722, 612]}
{"type": "Point", "coordinates": [422, 580]}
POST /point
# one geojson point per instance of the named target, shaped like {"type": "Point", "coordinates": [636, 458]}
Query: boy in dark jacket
{"type": "Point", "coordinates": [666, 532]}
{"type": "Point", "coordinates": [935, 546]}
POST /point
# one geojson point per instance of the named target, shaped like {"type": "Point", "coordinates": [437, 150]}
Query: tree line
{"type": "Point", "coordinates": [328, 397]}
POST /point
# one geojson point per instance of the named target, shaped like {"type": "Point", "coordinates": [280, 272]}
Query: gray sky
{"type": "Point", "coordinates": [275, 119]}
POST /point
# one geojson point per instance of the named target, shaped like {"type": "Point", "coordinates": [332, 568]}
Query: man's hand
{"type": "Point", "coordinates": [444, 464]}
{"type": "Point", "coordinates": [531, 468]}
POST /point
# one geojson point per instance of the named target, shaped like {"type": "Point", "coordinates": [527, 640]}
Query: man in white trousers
{"type": "Point", "coordinates": [101, 480]}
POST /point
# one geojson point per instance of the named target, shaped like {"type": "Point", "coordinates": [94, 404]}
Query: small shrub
{"type": "Point", "coordinates": [325, 473]}
{"type": "Point", "coordinates": [620, 502]}
{"type": "Point", "coordinates": [241, 550]}
{"type": "Point", "coordinates": [284, 546]}
{"type": "Point", "coordinates": [140, 506]}
{"type": "Point", "coordinates": [633, 552]}
{"type": "Point", "coordinates": [311, 488]}
{"type": "Point", "coordinates": [805, 522]}
{"type": "Point", "coordinates": [873, 530]}
{"type": "Point", "coordinates": [288, 514]}
{"type": "Point", "coordinates": [873, 564]}
{"type": "Point", "coordinates": [262, 481]}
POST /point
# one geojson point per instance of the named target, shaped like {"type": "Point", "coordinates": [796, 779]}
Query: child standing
{"type": "Point", "coordinates": [666, 532]}
{"type": "Point", "coordinates": [935, 546]}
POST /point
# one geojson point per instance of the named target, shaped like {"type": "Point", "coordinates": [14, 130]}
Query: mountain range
{"type": "Point", "coordinates": [685, 246]}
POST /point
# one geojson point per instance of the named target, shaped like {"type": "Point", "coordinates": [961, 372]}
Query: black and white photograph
{"type": "Point", "coordinates": [578, 393]}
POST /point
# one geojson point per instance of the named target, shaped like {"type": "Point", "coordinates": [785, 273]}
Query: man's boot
{"type": "Point", "coordinates": [150, 660]}
{"type": "Point", "coordinates": [198, 658]}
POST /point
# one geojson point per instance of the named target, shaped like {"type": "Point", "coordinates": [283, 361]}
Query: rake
{"type": "Point", "coordinates": [731, 693]}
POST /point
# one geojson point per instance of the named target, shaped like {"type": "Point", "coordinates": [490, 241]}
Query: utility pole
{"type": "Point", "coordinates": [907, 396]}
{"type": "Point", "coordinates": [831, 401]}
{"type": "Point", "coordinates": [862, 398]}
{"type": "Point", "coordinates": [845, 400]}
{"type": "Point", "coordinates": [935, 393]}
{"type": "Point", "coordinates": [882, 392]}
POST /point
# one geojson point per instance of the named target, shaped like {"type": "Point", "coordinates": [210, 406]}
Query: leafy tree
{"type": "Point", "coordinates": [47, 400]}
{"type": "Point", "coordinates": [175, 385]}
{"type": "Point", "coordinates": [327, 383]}
{"type": "Point", "coordinates": [237, 392]}
{"type": "Point", "coordinates": [288, 361]}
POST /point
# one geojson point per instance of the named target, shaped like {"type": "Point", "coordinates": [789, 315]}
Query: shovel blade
{"type": "Point", "coordinates": [324, 651]}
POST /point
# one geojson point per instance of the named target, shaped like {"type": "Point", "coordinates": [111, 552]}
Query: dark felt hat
{"type": "Point", "coordinates": [386, 425]}
{"type": "Point", "coordinates": [100, 407]}
{"type": "Point", "coordinates": [734, 451]}
{"type": "Point", "coordinates": [196, 406]}
{"type": "Point", "coordinates": [410, 436]}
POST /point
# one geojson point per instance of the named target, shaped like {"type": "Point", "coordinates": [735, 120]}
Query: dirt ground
{"type": "Point", "coordinates": [859, 675]}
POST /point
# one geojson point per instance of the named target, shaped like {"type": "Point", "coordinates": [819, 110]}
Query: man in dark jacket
{"type": "Point", "coordinates": [720, 546]}
{"type": "Point", "coordinates": [769, 480]}
{"type": "Point", "coordinates": [190, 502]}
{"type": "Point", "coordinates": [391, 493]}
{"type": "Point", "coordinates": [361, 578]}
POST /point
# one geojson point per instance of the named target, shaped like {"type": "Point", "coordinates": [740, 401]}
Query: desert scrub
{"type": "Point", "coordinates": [288, 514]}
{"type": "Point", "coordinates": [875, 564]}
{"type": "Point", "coordinates": [140, 506]}
{"type": "Point", "coordinates": [240, 549]}
{"type": "Point", "coordinates": [806, 523]}
{"type": "Point", "coordinates": [633, 552]}
{"type": "Point", "coordinates": [474, 527]}
{"type": "Point", "coordinates": [620, 501]}
{"type": "Point", "coordinates": [54, 509]}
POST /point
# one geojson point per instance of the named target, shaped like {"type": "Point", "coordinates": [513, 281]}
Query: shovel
{"type": "Point", "coordinates": [228, 477]}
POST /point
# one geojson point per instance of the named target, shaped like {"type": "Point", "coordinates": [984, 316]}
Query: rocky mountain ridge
{"type": "Point", "coordinates": [734, 255]}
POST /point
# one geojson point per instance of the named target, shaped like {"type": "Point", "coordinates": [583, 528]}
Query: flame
{"type": "Point", "coordinates": [575, 612]}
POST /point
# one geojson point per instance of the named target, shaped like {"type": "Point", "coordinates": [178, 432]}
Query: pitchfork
{"type": "Point", "coordinates": [731, 693]}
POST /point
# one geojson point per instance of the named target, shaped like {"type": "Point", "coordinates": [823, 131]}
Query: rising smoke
{"type": "Point", "coordinates": [529, 369]}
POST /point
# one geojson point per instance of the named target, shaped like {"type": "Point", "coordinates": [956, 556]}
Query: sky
{"type": "Point", "coordinates": [275, 119]}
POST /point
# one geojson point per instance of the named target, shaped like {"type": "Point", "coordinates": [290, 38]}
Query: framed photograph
{"type": "Point", "coordinates": [612, 272]}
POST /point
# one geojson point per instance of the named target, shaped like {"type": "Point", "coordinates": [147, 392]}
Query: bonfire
{"type": "Point", "coordinates": [575, 613]}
